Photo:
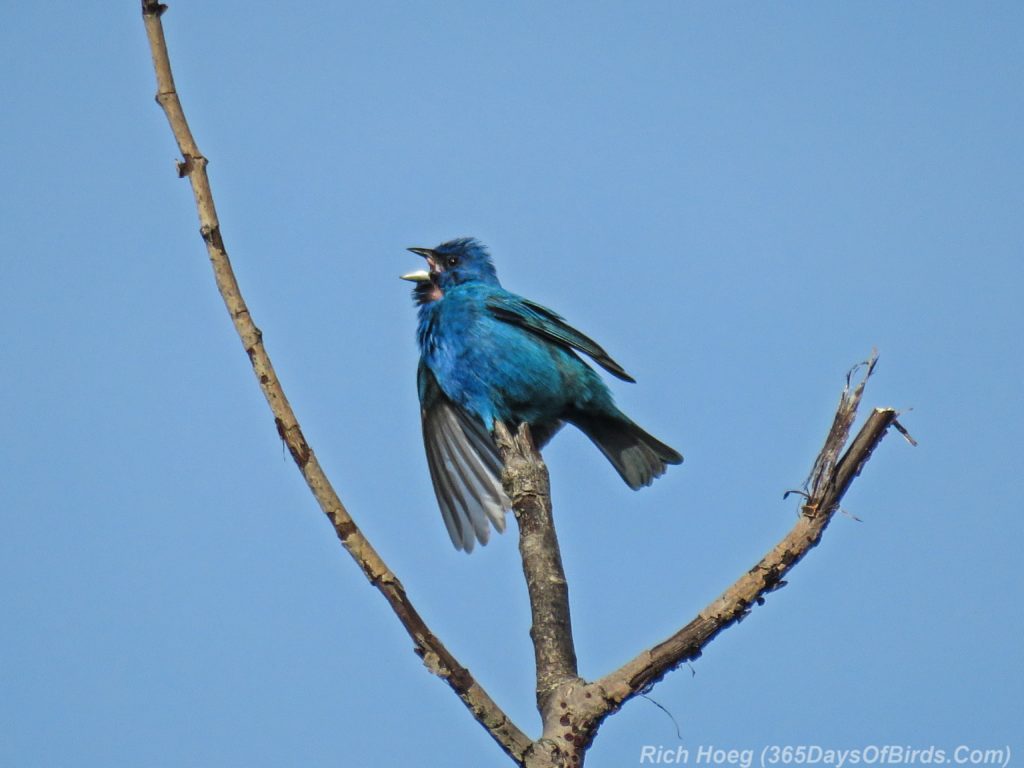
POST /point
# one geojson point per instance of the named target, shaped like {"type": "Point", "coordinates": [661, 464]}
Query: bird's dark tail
{"type": "Point", "coordinates": [637, 456]}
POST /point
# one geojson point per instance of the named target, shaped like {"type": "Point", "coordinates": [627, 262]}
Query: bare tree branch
{"type": "Point", "coordinates": [571, 709]}
{"type": "Point", "coordinates": [435, 656]}
{"type": "Point", "coordinates": [527, 485]}
{"type": "Point", "coordinates": [828, 482]}
{"type": "Point", "coordinates": [767, 576]}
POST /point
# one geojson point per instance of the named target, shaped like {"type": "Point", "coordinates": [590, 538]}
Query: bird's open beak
{"type": "Point", "coordinates": [421, 275]}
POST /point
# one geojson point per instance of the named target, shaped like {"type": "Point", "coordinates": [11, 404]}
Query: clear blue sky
{"type": "Point", "coordinates": [737, 201]}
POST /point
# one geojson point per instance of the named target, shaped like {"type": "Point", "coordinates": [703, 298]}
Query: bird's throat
{"type": "Point", "coordinates": [426, 293]}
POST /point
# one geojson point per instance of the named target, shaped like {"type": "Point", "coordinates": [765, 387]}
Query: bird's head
{"type": "Point", "coordinates": [453, 263]}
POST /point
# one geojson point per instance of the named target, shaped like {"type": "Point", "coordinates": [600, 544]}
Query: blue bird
{"type": "Point", "coordinates": [489, 355]}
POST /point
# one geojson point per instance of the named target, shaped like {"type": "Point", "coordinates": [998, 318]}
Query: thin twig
{"type": "Point", "coordinates": [435, 656]}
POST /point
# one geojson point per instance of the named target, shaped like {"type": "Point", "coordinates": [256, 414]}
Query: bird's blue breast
{"type": "Point", "coordinates": [497, 370]}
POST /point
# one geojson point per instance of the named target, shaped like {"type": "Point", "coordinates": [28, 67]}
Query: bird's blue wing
{"type": "Point", "coordinates": [552, 327]}
{"type": "Point", "coordinates": [464, 464]}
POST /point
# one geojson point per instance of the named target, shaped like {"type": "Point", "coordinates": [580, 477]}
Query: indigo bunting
{"type": "Point", "coordinates": [486, 355]}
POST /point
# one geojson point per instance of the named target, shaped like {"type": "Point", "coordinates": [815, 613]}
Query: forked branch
{"type": "Point", "coordinates": [572, 709]}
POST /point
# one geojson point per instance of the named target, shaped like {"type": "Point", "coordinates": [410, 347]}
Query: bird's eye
{"type": "Point", "coordinates": [453, 260]}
